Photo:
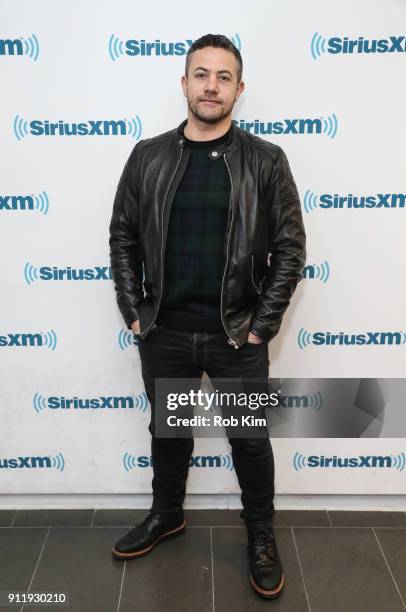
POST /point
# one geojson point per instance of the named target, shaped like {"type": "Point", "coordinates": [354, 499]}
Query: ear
{"type": "Point", "coordinates": [239, 90]}
{"type": "Point", "coordinates": [184, 84]}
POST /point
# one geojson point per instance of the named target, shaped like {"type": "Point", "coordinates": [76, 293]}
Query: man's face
{"type": "Point", "coordinates": [211, 86]}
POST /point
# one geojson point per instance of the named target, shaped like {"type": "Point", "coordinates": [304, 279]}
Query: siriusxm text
{"type": "Point", "coordinates": [285, 126]}
{"type": "Point", "coordinates": [379, 200]}
{"type": "Point", "coordinates": [88, 128]}
{"type": "Point", "coordinates": [362, 461]}
{"type": "Point", "coordinates": [199, 461]}
{"type": "Point", "coordinates": [366, 45]}
{"type": "Point", "coordinates": [368, 338]}
{"type": "Point", "coordinates": [48, 273]}
{"type": "Point", "coordinates": [142, 47]}
{"type": "Point", "coordinates": [94, 403]}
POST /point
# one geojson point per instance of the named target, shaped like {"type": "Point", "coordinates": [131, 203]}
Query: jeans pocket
{"type": "Point", "coordinates": [254, 343]}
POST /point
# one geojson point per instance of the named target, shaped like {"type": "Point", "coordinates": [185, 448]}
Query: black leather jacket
{"type": "Point", "coordinates": [264, 219]}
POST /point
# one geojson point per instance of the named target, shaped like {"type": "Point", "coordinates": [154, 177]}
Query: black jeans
{"type": "Point", "coordinates": [167, 353]}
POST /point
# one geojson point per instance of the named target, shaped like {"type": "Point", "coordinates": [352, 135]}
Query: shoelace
{"type": "Point", "coordinates": [263, 542]}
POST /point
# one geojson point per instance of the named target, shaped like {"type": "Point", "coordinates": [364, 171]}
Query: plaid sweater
{"type": "Point", "coordinates": [194, 255]}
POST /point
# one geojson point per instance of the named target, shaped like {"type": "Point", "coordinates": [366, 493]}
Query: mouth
{"type": "Point", "coordinates": [211, 102]}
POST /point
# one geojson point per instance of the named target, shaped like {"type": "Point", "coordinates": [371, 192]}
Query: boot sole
{"type": "Point", "coordinates": [173, 532]}
{"type": "Point", "coordinates": [264, 593]}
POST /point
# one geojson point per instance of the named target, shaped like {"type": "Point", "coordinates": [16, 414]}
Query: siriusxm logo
{"type": "Point", "coordinates": [318, 125]}
{"type": "Point", "coordinates": [38, 202]}
{"type": "Point", "coordinates": [48, 273]}
{"type": "Point", "coordinates": [111, 402]}
{"type": "Point", "coordinates": [335, 201]}
{"type": "Point", "coordinates": [396, 462]}
{"type": "Point", "coordinates": [375, 338]}
{"type": "Point", "coordinates": [142, 48]}
{"type": "Point", "coordinates": [198, 461]}
{"type": "Point", "coordinates": [319, 271]}
{"type": "Point", "coordinates": [20, 46]}
{"type": "Point", "coordinates": [309, 400]}
{"type": "Point", "coordinates": [345, 45]}
{"type": "Point", "coordinates": [56, 462]}
{"type": "Point", "coordinates": [41, 339]}
{"type": "Point", "coordinates": [37, 127]}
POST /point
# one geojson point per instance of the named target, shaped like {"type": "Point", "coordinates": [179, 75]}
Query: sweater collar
{"type": "Point", "coordinates": [218, 150]}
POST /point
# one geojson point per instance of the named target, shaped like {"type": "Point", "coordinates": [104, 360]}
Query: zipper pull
{"type": "Point", "coordinates": [233, 343]}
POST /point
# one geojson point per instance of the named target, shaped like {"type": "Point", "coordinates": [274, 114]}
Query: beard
{"type": "Point", "coordinates": [210, 117]}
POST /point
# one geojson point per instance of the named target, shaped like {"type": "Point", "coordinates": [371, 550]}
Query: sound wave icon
{"type": "Point", "coordinates": [236, 40]}
{"type": "Point", "coordinates": [115, 47]}
{"type": "Point", "coordinates": [125, 339]}
{"type": "Point", "coordinates": [315, 401]}
{"type": "Point", "coordinates": [399, 461]}
{"type": "Point", "coordinates": [49, 339]}
{"type": "Point", "coordinates": [227, 462]}
{"type": "Point", "coordinates": [310, 201]}
{"type": "Point", "coordinates": [39, 403]}
{"type": "Point", "coordinates": [41, 202]}
{"type": "Point", "coordinates": [141, 401]}
{"type": "Point", "coordinates": [317, 45]}
{"type": "Point", "coordinates": [330, 126]}
{"type": "Point", "coordinates": [20, 127]}
{"type": "Point", "coordinates": [129, 462]}
{"type": "Point", "coordinates": [134, 127]}
{"type": "Point", "coordinates": [31, 273]}
{"type": "Point", "coordinates": [299, 461]}
{"type": "Point", "coordinates": [31, 47]}
{"type": "Point", "coordinates": [322, 271]}
{"type": "Point", "coordinates": [58, 462]}
{"type": "Point", "coordinates": [304, 338]}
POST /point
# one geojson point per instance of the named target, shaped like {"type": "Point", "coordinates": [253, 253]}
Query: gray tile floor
{"type": "Point", "coordinates": [333, 561]}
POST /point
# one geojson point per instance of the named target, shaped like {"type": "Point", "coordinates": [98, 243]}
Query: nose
{"type": "Point", "coordinates": [212, 83]}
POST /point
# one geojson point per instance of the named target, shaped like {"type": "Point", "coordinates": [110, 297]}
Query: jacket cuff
{"type": "Point", "coordinates": [130, 315]}
{"type": "Point", "coordinates": [265, 332]}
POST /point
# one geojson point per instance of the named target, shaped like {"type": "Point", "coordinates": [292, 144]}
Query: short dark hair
{"type": "Point", "coordinates": [219, 41]}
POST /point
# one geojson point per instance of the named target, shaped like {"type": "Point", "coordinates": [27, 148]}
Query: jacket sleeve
{"type": "Point", "coordinates": [287, 241]}
{"type": "Point", "coordinates": [125, 259]}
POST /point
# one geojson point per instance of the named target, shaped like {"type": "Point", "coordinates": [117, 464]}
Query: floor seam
{"type": "Point", "coordinates": [402, 527]}
{"type": "Point", "coordinates": [300, 568]}
{"type": "Point", "coordinates": [121, 587]}
{"type": "Point", "coordinates": [390, 571]}
{"type": "Point", "coordinates": [212, 567]}
{"type": "Point", "coordinates": [36, 565]}
{"type": "Point", "coordinates": [14, 517]}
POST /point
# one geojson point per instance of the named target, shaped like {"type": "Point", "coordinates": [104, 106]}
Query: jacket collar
{"type": "Point", "coordinates": [219, 150]}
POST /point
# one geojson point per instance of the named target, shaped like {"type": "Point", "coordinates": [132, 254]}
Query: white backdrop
{"type": "Point", "coordinates": [68, 62]}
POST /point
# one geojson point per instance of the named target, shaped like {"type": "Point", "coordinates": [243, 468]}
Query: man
{"type": "Point", "coordinates": [197, 212]}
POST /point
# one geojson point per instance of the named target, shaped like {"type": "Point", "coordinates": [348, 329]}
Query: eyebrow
{"type": "Point", "coordinates": [205, 70]}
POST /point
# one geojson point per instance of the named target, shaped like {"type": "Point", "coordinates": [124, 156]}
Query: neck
{"type": "Point", "coordinates": [198, 130]}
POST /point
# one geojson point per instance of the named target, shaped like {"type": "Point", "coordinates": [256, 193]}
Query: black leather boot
{"type": "Point", "coordinates": [266, 573]}
{"type": "Point", "coordinates": [141, 539]}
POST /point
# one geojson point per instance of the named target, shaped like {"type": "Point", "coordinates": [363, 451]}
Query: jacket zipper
{"type": "Point", "coordinates": [162, 245]}
{"type": "Point", "coordinates": [231, 340]}
{"type": "Point", "coordinates": [252, 274]}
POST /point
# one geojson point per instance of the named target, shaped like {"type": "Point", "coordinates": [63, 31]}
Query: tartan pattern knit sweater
{"type": "Point", "coordinates": [194, 253]}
